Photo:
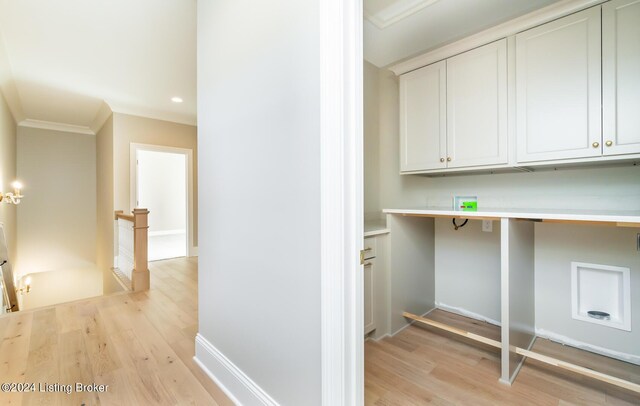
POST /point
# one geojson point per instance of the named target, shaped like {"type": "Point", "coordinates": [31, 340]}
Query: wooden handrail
{"type": "Point", "coordinates": [120, 215]}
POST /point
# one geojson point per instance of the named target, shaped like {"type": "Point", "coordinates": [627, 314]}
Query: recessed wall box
{"type": "Point", "coordinates": [465, 203]}
{"type": "Point", "coordinates": [601, 294]}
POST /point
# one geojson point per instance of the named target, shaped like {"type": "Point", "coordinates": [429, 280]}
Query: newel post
{"type": "Point", "coordinates": [140, 274]}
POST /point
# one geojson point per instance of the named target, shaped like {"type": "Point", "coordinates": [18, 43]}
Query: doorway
{"type": "Point", "coordinates": [161, 183]}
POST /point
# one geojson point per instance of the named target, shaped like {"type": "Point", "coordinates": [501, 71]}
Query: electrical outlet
{"type": "Point", "coordinates": [487, 226]}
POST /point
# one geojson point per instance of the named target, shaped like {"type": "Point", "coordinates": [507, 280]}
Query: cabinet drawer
{"type": "Point", "coordinates": [369, 248]}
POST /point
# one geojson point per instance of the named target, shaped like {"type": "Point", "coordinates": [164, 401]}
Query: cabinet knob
{"type": "Point", "coordinates": [448, 159]}
{"type": "Point", "coordinates": [596, 144]}
{"type": "Point", "coordinates": [608, 143]}
{"type": "Point", "coordinates": [441, 159]}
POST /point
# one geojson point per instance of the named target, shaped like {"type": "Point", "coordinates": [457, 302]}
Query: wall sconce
{"type": "Point", "coordinates": [15, 197]}
{"type": "Point", "coordinates": [26, 286]}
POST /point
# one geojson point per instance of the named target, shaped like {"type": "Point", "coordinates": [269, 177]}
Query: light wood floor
{"type": "Point", "coordinates": [422, 365]}
{"type": "Point", "coordinates": [140, 344]}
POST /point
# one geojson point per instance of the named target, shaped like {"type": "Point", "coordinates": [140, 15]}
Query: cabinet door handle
{"type": "Point", "coordinates": [441, 159]}
{"type": "Point", "coordinates": [608, 143]}
{"type": "Point", "coordinates": [595, 144]}
{"type": "Point", "coordinates": [448, 159]}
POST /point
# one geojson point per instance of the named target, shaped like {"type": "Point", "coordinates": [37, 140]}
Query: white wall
{"type": "Point", "coordinates": [57, 217]}
{"type": "Point", "coordinates": [161, 184]}
{"type": "Point", "coordinates": [587, 188]}
{"type": "Point", "coordinates": [258, 137]}
{"type": "Point", "coordinates": [66, 285]}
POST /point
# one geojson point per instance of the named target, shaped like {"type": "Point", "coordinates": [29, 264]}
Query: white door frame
{"type": "Point", "coordinates": [133, 173]}
{"type": "Point", "coordinates": [341, 205]}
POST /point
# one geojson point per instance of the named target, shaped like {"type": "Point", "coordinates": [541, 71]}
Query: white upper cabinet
{"type": "Point", "coordinates": [621, 77]}
{"type": "Point", "coordinates": [558, 87]}
{"type": "Point", "coordinates": [423, 118]}
{"type": "Point", "coordinates": [477, 106]}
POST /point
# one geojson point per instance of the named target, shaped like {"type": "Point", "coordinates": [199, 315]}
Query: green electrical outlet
{"type": "Point", "coordinates": [469, 206]}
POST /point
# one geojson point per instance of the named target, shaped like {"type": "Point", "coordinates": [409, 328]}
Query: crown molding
{"type": "Point", "coordinates": [155, 115]}
{"type": "Point", "coordinates": [101, 117]}
{"type": "Point", "coordinates": [511, 27]}
{"type": "Point", "coordinates": [399, 10]}
{"type": "Point", "coordinates": [50, 125]}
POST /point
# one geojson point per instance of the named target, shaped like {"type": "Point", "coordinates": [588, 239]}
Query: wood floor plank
{"type": "Point", "coordinates": [464, 372]}
{"type": "Point", "coordinates": [139, 344]}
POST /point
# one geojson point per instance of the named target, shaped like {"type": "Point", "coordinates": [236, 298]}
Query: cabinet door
{"type": "Point", "coordinates": [477, 106]}
{"type": "Point", "coordinates": [423, 118]}
{"type": "Point", "coordinates": [369, 321]}
{"type": "Point", "coordinates": [558, 89]}
{"type": "Point", "coordinates": [621, 77]}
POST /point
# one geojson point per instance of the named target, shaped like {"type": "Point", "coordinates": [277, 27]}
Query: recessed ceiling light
{"type": "Point", "coordinates": [177, 99]}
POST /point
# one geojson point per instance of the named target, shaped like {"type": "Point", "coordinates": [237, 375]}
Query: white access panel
{"type": "Point", "coordinates": [477, 106]}
{"type": "Point", "coordinates": [602, 288]}
{"type": "Point", "coordinates": [558, 94]}
{"type": "Point", "coordinates": [423, 143]}
{"type": "Point", "coordinates": [621, 77]}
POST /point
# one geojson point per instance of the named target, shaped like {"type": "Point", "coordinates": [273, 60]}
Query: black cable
{"type": "Point", "coordinates": [461, 225]}
{"type": "Point", "coordinates": [3, 262]}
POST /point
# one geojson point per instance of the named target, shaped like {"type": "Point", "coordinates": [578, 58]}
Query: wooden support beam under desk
{"type": "Point", "coordinates": [530, 354]}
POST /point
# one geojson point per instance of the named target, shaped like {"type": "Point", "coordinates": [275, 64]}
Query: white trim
{"type": "Point", "coordinates": [50, 125]}
{"type": "Point", "coordinates": [101, 117]}
{"type": "Point", "coordinates": [564, 340]}
{"type": "Point", "coordinates": [133, 182]}
{"type": "Point", "coordinates": [341, 202]}
{"type": "Point", "coordinates": [396, 12]}
{"type": "Point", "coordinates": [511, 27]}
{"type": "Point", "coordinates": [233, 382]}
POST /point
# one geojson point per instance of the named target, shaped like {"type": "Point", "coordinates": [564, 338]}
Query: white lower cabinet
{"type": "Point", "coordinates": [370, 245]}
{"type": "Point", "coordinates": [369, 295]}
{"type": "Point", "coordinates": [376, 285]}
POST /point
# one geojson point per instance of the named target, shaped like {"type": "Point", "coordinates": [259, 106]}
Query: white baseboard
{"type": "Point", "coordinates": [193, 251]}
{"type": "Point", "coordinates": [233, 382]}
{"type": "Point", "coordinates": [622, 356]}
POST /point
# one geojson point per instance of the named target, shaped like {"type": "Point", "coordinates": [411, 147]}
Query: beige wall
{"type": "Point", "coordinates": [133, 129]}
{"type": "Point", "coordinates": [104, 205]}
{"type": "Point", "coordinates": [371, 143]}
{"type": "Point", "coordinates": [57, 217]}
{"type": "Point", "coordinates": [8, 214]}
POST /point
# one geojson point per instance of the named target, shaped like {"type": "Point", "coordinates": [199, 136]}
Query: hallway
{"type": "Point", "coordinates": [140, 344]}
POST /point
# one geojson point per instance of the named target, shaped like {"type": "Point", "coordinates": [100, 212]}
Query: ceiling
{"type": "Point", "coordinates": [398, 29]}
{"type": "Point", "coordinates": [67, 58]}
